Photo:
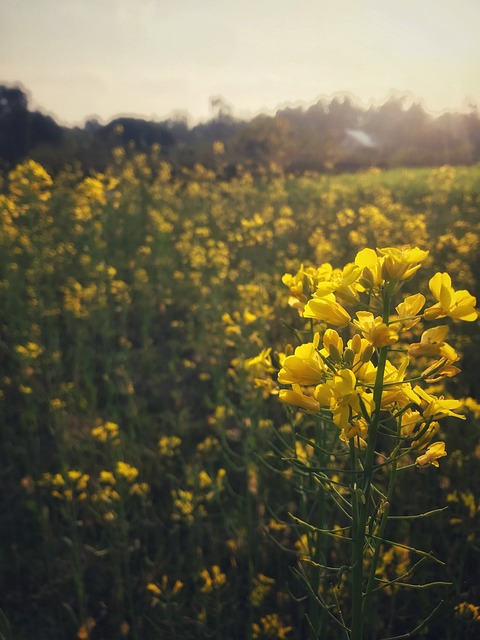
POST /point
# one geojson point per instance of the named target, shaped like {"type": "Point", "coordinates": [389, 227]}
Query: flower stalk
{"type": "Point", "coordinates": [358, 380]}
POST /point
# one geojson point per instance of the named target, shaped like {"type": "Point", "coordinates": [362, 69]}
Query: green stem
{"type": "Point", "coordinates": [358, 540]}
{"type": "Point", "coordinates": [360, 499]}
{"type": "Point", "coordinates": [378, 545]}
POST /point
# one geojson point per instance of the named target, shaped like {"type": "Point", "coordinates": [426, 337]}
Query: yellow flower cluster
{"type": "Point", "coordinates": [168, 445]}
{"type": "Point", "coordinates": [71, 485]}
{"type": "Point", "coordinates": [261, 587]}
{"type": "Point", "coordinates": [212, 579]}
{"type": "Point", "coordinates": [107, 432]}
{"type": "Point", "coordinates": [189, 504]}
{"type": "Point", "coordinates": [468, 611]}
{"type": "Point", "coordinates": [163, 590]}
{"type": "Point", "coordinates": [270, 626]}
{"type": "Point", "coordinates": [336, 377]}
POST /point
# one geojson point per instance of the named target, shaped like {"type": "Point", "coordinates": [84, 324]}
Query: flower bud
{"type": "Point", "coordinates": [367, 353]}
{"type": "Point", "coordinates": [334, 352]}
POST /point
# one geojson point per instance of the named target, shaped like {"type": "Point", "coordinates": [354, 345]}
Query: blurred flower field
{"type": "Point", "coordinates": [146, 459]}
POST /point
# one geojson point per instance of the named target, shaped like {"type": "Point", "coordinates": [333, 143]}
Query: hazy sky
{"type": "Point", "coordinates": [84, 58]}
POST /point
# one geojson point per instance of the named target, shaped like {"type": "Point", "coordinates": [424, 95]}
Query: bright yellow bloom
{"type": "Point", "coordinates": [431, 455]}
{"type": "Point", "coordinates": [408, 309]}
{"type": "Point", "coordinates": [357, 429]}
{"type": "Point", "coordinates": [204, 479]}
{"type": "Point", "coordinates": [371, 265]}
{"type": "Point", "coordinates": [303, 284]}
{"type": "Point", "coordinates": [401, 264]}
{"type": "Point", "coordinates": [328, 310]}
{"type": "Point", "coordinates": [107, 477]}
{"type": "Point", "coordinates": [459, 305]}
{"type": "Point", "coordinates": [58, 480]}
{"type": "Point", "coordinates": [432, 343]}
{"type": "Point", "coordinates": [297, 398]}
{"type": "Point", "coordinates": [362, 366]}
{"type": "Point", "coordinates": [342, 398]}
{"type": "Point", "coordinates": [332, 345]}
{"type": "Point", "coordinates": [342, 283]}
{"type": "Point", "coordinates": [248, 317]}
{"type": "Point", "coordinates": [401, 394]}
{"type": "Point", "coordinates": [437, 408]}
{"type": "Point", "coordinates": [375, 330]}
{"type": "Point", "coordinates": [126, 471]}
{"type": "Point", "coordinates": [408, 421]}
{"type": "Point", "coordinates": [305, 367]}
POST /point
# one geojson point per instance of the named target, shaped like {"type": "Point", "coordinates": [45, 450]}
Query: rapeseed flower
{"type": "Point", "coordinates": [458, 305]}
{"type": "Point", "coordinates": [437, 408]}
{"type": "Point", "coordinates": [296, 398]}
{"type": "Point", "coordinates": [401, 264]}
{"type": "Point", "coordinates": [327, 309]}
{"type": "Point", "coordinates": [431, 455]}
{"type": "Point", "coordinates": [126, 471]}
{"type": "Point", "coordinates": [305, 367]}
{"type": "Point", "coordinates": [375, 330]}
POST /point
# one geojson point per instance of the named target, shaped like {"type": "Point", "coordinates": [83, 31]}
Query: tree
{"type": "Point", "coordinates": [14, 118]}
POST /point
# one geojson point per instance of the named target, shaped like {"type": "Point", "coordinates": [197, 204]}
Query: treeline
{"type": "Point", "coordinates": [336, 135]}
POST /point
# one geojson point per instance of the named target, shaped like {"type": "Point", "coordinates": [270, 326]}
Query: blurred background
{"type": "Point", "coordinates": [309, 84]}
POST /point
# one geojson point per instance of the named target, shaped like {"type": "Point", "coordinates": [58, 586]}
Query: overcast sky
{"type": "Point", "coordinates": [151, 58]}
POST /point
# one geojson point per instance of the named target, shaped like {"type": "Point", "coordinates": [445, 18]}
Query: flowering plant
{"type": "Point", "coordinates": [354, 374]}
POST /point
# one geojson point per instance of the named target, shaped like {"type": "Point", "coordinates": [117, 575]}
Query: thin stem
{"type": "Point", "coordinates": [361, 498]}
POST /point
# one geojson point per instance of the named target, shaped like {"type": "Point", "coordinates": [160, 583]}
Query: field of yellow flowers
{"type": "Point", "coordinates": [152, 482]}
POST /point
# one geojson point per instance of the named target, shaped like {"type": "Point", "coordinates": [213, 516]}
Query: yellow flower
{"type": "Point", "coordinates": [433, 452]}
{"type": "Point", "coordinates": [408, 421]}
{"type": "Point", "coordinates": [126, 471]}
{"type": "Point", "coordinates": [332, 344]}
{"type": "Point", "coordinates": [139, 489]}
{"type": "Point", "coordinates": [408, 309]}
{"type": "Point", "coordinates": [168, 445]}
{"type": "Point", "coordinates": [437, 408]}
{"type": "Point", "coordinates": [297, 398]}
{"type": "Point", "coordinates": [211, 579]}
{"type": "Point", "coordinates": [204, 479]}
{"type": "Point", "coordinates": [342, 282]}
{"type": "Point", "coordinates": [401, 264]}
{"type": "Point", "coordinates": [459, 305]}
{"type": "Point", "coordinates": [375, 331]}
{"type": "Point", "coordinates": [357, 429]}
{"type": "Point", "coordinates": [341, 397]}
{"type": "Point", "coordinates": [262, 363]}
{"type": "Point", "coordinates": [107, 477]}
{"type": "Point", "coordinates": [248, 317]}
{"type": "Point", "coordinates": [305, 367]}
{"type": "Point", "coordinates": [270, 626]}
{"type": "Point", "coordinates": [328, 310]}
{"type": "Point", "coordinates": [371, 264]}
{"type": "Point", "coordinates": [153, 588]}
{"type": "Point", "coordinates": [432, 343]}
